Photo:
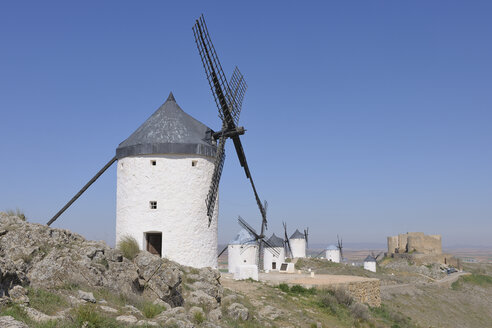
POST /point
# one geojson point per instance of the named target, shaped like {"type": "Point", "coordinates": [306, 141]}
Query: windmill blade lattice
{"type": "Point", "coordinates": [214, 185]}
{"type": "Point", "coordinates": [286, 238]}
{"type": "Point", "coordinates": [228, 101]}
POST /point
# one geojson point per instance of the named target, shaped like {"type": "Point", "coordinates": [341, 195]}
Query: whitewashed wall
{"type": "Point", "coordinates": [180, 190]}
{"type": "Point", "coordinates": [333, 255]}
{"type": "Point", "coordinates": [268, 258]}
{"type": "Point", "coordinates": [298, 247]}
{"type": "Point", "coordinates": [371, 266]}
{"type": "Point", "coordinates": [235, 258]}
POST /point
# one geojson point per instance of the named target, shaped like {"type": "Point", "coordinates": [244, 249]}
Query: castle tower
{"type": "Point", "coordinates": [298, 244]}
{"type": "Point", "coordinates": [163, 177]}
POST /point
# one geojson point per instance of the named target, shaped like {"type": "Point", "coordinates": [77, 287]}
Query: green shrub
{"type": "Point", "coordinates": [328, 301]}
{"type": "Point", "coordinates": [342, 296]}
{"type": "Point", "coordinates": [298, 289]}
{"type": "Point", "coordinates": [284, 287]}
{"type": "Point", "coordinates": [15, 311]}
{"type": "Point", "coordinates": [150, 310]}
{"type": "Point", "coordinates": [45, 301]}
{"type": "Point", "coordinates": [129, 247]}
{"type": "Point", "coordinates": [17, 213]}
{"type": "Point", "coordinates": [198, 317]}
{"type": "Point", "coordinates": [94, 318]}
{"type": "Point", "coordinates": [360, 312]}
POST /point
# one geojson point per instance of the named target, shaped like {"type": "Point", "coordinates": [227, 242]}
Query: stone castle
{"type": "Point", "coordinates": [420, 248]}
{"type": "Point", "coordinates": [414, 242]}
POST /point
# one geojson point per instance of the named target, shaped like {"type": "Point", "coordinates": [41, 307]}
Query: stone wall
{"type": "Point", "coordinates": [365, 292]}
{"type": "Point", "coordinates": [430, 244]}
{"type": "Point", "coordinates": [392, 244]}
{"type": "Point", "coordinates": [414, 242]}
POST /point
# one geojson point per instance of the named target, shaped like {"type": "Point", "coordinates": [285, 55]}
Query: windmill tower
{"type": "Point", "coordinates": [162, 174]}
{"type": "Point", "coordinates": [275, 246]}
{"type": "Point", "coordinates": [333, 254]}
{"type": "Point", "coordinates": [298, 244]}
{"type": "Point", "coordinates": [242, 250]}
{"type": "Point", "coordinates": [169, 171]}
{"type": "Point", "coordinates": [370, 263]}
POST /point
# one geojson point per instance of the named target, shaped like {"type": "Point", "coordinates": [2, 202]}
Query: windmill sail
{"type": "Point", "coordinates": [228, 101]}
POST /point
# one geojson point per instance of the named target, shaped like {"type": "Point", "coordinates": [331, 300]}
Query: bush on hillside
{"type": "Point", "coordinates": [17, 213]}
{"type": "Point", "coordinates": [360, 311]}
{"type": "Point", "coordinates": [129, 247]}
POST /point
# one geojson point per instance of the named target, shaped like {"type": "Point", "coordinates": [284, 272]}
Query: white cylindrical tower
{"type": "Point", "coordinates": [333, 254]}
{"type": "Point", "coordinates": [370, 263]}
{"type": "Point", "coordinates": [270, 260]}
{"type": "Point", "coordinates": [163, 177]}
{"type": "Point", "coordinates": [242, 250]}
{"type": "Point", "coordinates": [298, 244]}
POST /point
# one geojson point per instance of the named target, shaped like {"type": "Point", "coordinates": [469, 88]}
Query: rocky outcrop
{"type": "Point", "coordinates": [44, 257]}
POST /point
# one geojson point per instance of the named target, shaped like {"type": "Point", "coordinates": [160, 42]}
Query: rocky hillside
{"type": "Point", "coordinates": [61, 265]}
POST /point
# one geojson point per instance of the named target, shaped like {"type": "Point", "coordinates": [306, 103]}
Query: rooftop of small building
{"type": "Point", "coordinates": [331, 248]}
{"type": "Point", "coordinates": [169, 130]}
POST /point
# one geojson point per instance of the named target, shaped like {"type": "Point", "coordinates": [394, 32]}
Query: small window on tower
{"type": "Point", "coordinates": [153, 162]}
{"type": "Point", "coordinates": [194, 163]}
{"type": "Point", "coordinates": [153, 205]}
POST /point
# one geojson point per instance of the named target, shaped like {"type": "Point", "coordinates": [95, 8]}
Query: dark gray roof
{"type": "Point", "coordinates": [297, 235]}
{"type": "Point", "coordinates": [370, 258]}
{"type": "Point", "coordinates": [275, 241]}
{"type": "Point", "coordinates": [169, 131]}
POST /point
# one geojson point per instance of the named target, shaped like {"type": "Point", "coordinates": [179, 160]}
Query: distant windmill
{"type": "Point", "coordinates": [287, 242]}
{"type": "Point", "coordinates": [340, 247]}
{"type": "Point", "coordinates": [260, 239]}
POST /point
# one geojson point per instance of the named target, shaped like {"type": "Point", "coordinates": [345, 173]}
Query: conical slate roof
{"type": "Point", "coordinates": [243, 237]}
{"type": "Point", "coordinates": [297, 235]}
{"type": "Point", "coordinates": [275, 241]}
{"type": "Point", "coordinates": [370, 258]}
{"type": "Point", "coordinates": [331, 248]}
{"type": "Point", "coordinates": [169, 131]}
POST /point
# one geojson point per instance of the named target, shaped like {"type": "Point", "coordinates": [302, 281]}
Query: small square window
{"type": "Point", "coordinates": [194, 163]}
{"type": "Point", "coordinates": [153, 205]}
{"type": "Point", "coordinates": [153, 162]}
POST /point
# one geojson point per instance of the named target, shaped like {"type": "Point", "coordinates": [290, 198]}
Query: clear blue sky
{"type": "Point", "coordinates": [364, 118]}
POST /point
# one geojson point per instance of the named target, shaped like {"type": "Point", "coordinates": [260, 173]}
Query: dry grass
{"type": "Point", "coordinates": [129, 247]}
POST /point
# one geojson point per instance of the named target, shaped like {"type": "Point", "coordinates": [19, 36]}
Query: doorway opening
{"type": "Point", "coordinates": [154, 242]}
{"type": "Point", "coordinates": [274, 265]}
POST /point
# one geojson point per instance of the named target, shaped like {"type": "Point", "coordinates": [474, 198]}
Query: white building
{"type": "Point", "coordinates": [298, 244]}
{"type": "Point", "coordinates": [242, 250]}
{"type": "Point", "coordinates": [370, 263]}
{"type": "Point", "coordinates": [333, 254]}
{"type": "Point", "coordinates": [163, 177]}
{"type": "Point", "coordinates": [270, 260]}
